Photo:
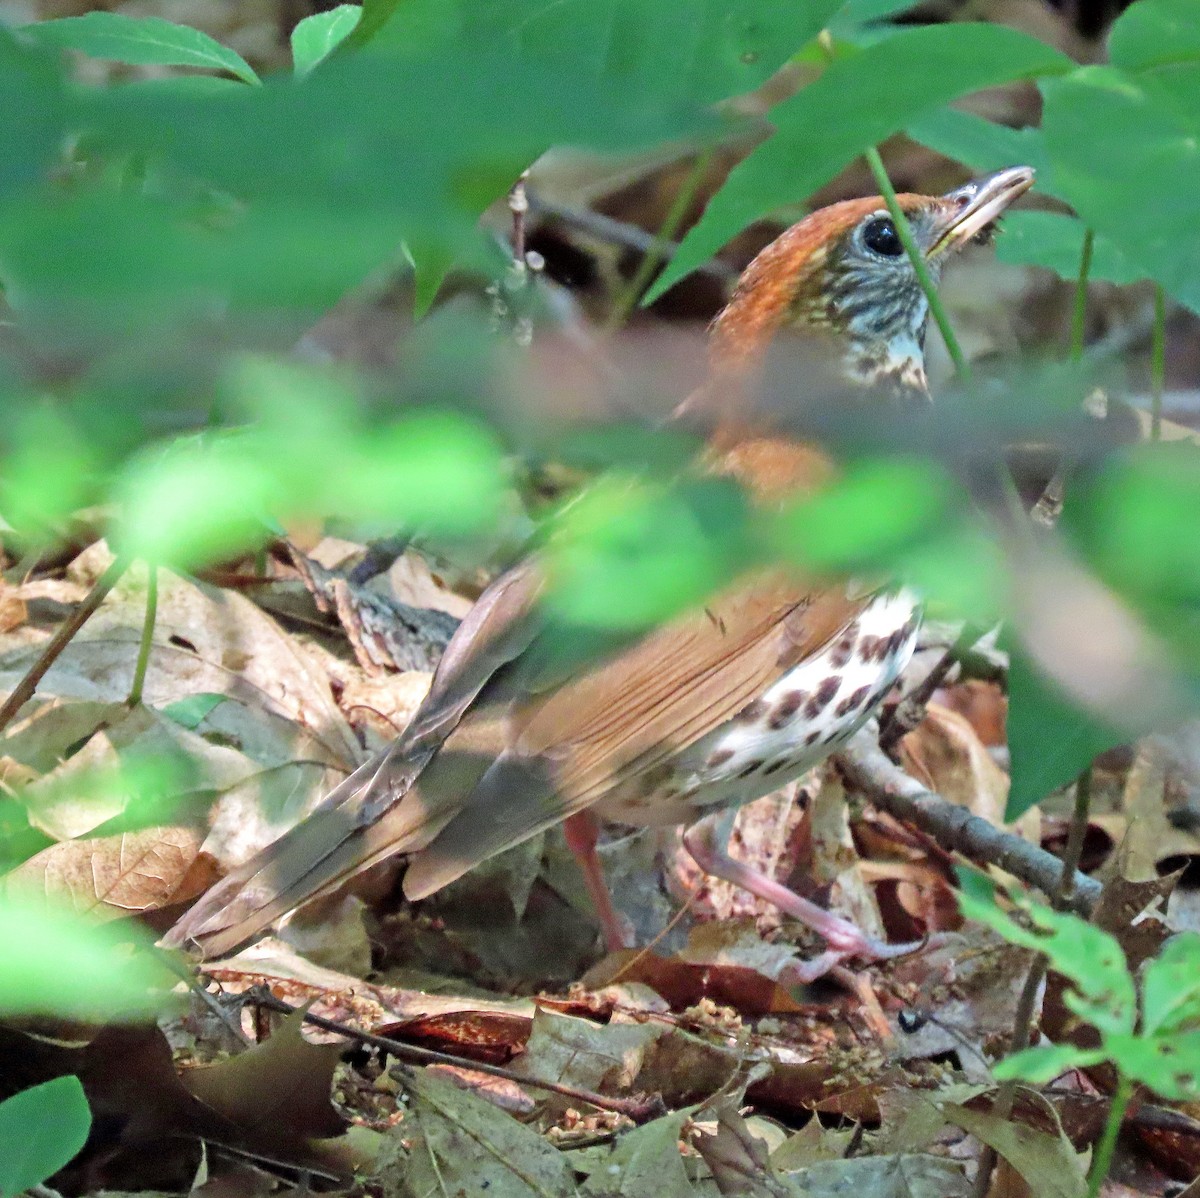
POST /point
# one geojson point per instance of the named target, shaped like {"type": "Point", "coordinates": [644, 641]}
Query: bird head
{"type": "Point", "coordinates": [842, 278]}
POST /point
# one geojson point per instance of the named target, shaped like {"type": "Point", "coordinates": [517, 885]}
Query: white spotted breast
{"type": "Point", "coordinates": [802, 718]}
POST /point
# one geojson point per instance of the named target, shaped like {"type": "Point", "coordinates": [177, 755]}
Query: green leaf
{"type": "Point", "coordinates": [34, 101]}
{"type": "Point", "coordinates": [316, 37]}
{"type": "Point", "coordinates": [1085, 954]}
{"type": "Point", "coordinates": [1050, 740]}
{"type": "Point", "coordinates": [47, 951]}
{"type": "Point", "coordinates": [141, 41]}
{"type": "Point", "coordinates": [41, 1130]}
{"type": "Point", "coordinates": [1137, 184]}
{"type": "Point", "coordinates": [1044, 1063]}
{"type": "Point", "coordinates": [1054, 240]}
{"type": "Point", "coordinates": [717, 49]}
{"type": "Point", "coordinates": [856, 103]}
{"type": "Point", "coordinates": [191, 711]}
{"type": "Point", "coordinates": [877, 508]}
{"type": "Point", "coordinates": [1171, 986]}
{"type": "Point", "coordinates": [981, 144]}
{"type": "Point", "coordinates": [626, 556]}
{"type": "Point", "coordinates": [1155, 33]}
{"type": "Point", "coordinates": [1167, 1065]}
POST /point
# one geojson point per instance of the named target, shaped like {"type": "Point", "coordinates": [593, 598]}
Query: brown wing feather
{"type": "Point", "coordinates": [569, 748]}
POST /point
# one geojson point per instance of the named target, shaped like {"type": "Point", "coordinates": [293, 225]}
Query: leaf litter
{"type": "Point", "coordinates": [256, 705]}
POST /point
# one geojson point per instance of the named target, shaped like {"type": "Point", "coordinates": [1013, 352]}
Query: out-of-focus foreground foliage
{"type": "Point", "coordinates": [166, 242]}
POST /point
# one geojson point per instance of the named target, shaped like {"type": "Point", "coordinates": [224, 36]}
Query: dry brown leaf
{"type": "Point", "coordinates": [126, 873]}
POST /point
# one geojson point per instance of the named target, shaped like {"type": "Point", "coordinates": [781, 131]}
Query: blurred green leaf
{"type": "Point", "coordinates": [627, 555]}
{"type": "Point", "coordinates": [140, 41]}
{"type": "Point", "coordinates": [1155, 33]}
{"type": "Point", "coordinates": [1050, 740]}
{"type": "Point", "coordinates": [868, 516]}
{"type": "Point", "coordinates": [693, 51]}
{"type": "Point", "coordinates": [48, 471]}
{"type": "Point", "coordinates": [857, 102]}
{"type": "Point", "coordinates": [1135, 518]}
{"type": "Point", "coordinates": [41, 1130]}
{"type": "Point", "coordinates": [1171, 986]}
{"type": "Point", "coordinates": [198, 501]}
{"type": "Point", "coordinates": [47, 951]}
{"type": "Point", "coordinates": [1054, 240]}
{"type": "Point", "coordinates": [316, 37]}
{"type": "Point", "coordinates": [33, 98]}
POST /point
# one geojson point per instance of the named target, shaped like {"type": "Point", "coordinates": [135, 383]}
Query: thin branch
{"type": "Point", "coordinates": [868, 769]}
{"type": "Point", "coordinates": [24, 689]}
{"type": "Point", "coordinates": [640, 1110]}
{"type": "Point", "coordinates": [620, 233]}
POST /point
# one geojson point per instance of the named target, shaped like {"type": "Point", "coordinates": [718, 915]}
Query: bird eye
{"type": "Point", "coordinates": [879, 235]}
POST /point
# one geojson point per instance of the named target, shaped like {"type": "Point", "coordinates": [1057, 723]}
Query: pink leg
{"type": "Point", "coordinates": [845, 939]}
{"type": "Point", "coordinates": [581, 831]}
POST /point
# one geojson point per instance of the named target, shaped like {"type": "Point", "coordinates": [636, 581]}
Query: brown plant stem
{"type": "Point", "coordinates": [24, 689]}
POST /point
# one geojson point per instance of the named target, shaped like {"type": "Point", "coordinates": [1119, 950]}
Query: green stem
{"type": "Point", "coordinates": [1108, 1140]}
{"type": "Point", "coordinates": [1158, 363]}
{"type": "Point", "coordinates": [917, 258]}
{"type": "Point", "coordinates": [143, 657]}
{"type": "Point", "coordinates": [1079, 310]}
{"type": "Point", "coordinates": [653, 257]}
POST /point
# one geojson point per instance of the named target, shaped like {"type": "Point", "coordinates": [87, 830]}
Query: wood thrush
{"type": "Point", "coordinates": [717, 707]}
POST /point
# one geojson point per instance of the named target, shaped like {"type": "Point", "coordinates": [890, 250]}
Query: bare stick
{"type": "Point", "coordinates": [24, 689]}
{"type": "Point", "coordinates": [868, 769]}
{"type": "Point", "coordinates": [640, 1110]}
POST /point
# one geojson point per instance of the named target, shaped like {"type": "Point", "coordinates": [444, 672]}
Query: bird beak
{"type": "Point", "coordinates": [973, 209]}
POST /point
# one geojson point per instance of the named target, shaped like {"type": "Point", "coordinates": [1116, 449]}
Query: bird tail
{"type": "Point", "coordinates": [374, 814]}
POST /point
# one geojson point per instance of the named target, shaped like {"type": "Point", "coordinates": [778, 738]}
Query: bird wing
{"type": "Point", "coordinates": [562, 751]}
{"type": "Point", "coordinates": [363, 820]}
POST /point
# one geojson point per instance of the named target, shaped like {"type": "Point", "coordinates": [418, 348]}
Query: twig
{"type": "Point", "coordinates": [24, 689]}
{"type": "Point", "coordinates": [910, 711]}
{"type": "Point", "coordinates": [640, 1110]}
{"type": "Point", "coordinates": [1002, 1108]}
{"type": "Point", "coordinates": [619, 233]}
{"type": "Point", "coordinates": [868, 769]}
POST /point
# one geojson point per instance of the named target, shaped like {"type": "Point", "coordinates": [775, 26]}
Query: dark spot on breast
{"type": "Point", "coordinates": [849, 703]}
{"type": "Point", "coordinates": [786, 708]}
{"type": "Point", "coordinates": [752, 713]}
{"type": "Point", "coordinates": [750, 768]}
{"type": "Point", "coordinates": [823, 696]}
{"type": "Point", "coordinates": [840, 654]}
{"type": "Point", "coordinates": [813, 737]}
{"type": "Point", "coordinates": [776, 766]}
{"type": "Point", "coordinates": [873, 648]}
{"type": "Point", "coordinates": [719, 757]}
